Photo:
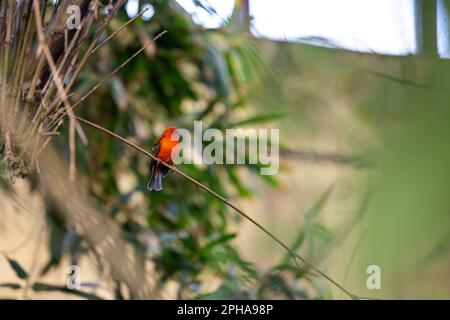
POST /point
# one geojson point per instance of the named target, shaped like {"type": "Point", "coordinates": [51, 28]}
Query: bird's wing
{"type": "Point", "coordinates": [164, 170]}
{"type": "Point", "coordinates": [155, 151]}
{"type": "Point", "coordinates": [156, 147]}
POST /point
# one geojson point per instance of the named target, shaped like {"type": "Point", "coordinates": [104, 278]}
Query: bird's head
{"type": "Point", "coordinates": [172, 133]}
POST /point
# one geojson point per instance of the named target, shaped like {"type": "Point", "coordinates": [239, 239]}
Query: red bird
{"type": "Point", "coordinates": [163, 148]}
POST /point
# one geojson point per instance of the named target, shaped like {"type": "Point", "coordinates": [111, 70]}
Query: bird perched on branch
{"type": "Point", "coordinates": [163, 149]}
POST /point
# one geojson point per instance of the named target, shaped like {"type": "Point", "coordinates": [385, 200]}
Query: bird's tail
{"type": "Point", "coordinates": [155, 182]}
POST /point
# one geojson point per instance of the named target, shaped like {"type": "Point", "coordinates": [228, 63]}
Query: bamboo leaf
{"type": "Point", "coordinates": [10, 285]}
{"type": "Point", "coordinates": [222, 239]}
{"type": "Point", "coordinates": [20, 272]}
{"type": "Point", "coordinates": [261, 118]}
{"type": "Point", "coordinates": [43, 287]}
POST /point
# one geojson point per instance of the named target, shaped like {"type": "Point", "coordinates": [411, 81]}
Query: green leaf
{"type": "Point", "coordinates": [240, 187]}
{"type": "Point", "coordinates": [56, 241]}
{"type": "Point", "coordinates": [43, 287]}
{"type": "Point", "coordinates": [269, 179]}
{"type": "Point", "coordinates": [224, 292]}
{"type": "Point", "coordinates": [20, 272]}
{"type": "Point", "coordinates": [241, 67]}
{"type": "Point", "coordinates": [14, 286]}
{"type": "Point", "coordinates": [295, 246]}
{"type": "Point", "coordinates": [321, 232]}
{"type": "Point", "coordinates": [260, 118]}
{"type": "Point", "coordinates": [310, 214]}
{"type": "Point", "coordinates": [217, 62]}
{"type": "Point", "coordinates": [222, 239]}
{"type": "Point", "coordinates": [317, 207]}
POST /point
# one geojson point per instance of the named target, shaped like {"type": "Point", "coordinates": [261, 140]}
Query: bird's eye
{"type": "Point", "coordinates": [176, 136]}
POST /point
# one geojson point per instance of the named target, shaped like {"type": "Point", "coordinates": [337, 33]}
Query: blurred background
{"type": "Point", "coordinates": [359, 92]}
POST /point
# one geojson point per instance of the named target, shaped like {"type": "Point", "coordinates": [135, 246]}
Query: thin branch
{"type": "Point", "coordinates": [78, 66]}
{"type": "Point", "coordinates": [118, 68]}
{"type": "Point", "coordinates": [294, 255]}
{"type": "Point", "coordinates": [106, 21]}
{"type": "Point", "coordinates": [101, 44]}
{"type": "Point", "coordinates": [110, 75]}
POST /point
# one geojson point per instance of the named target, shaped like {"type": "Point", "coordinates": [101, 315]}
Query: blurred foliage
{"type": "Point", "coordinates": [192, 73]}
{"type": "Point", "coordinates": [189, 74]}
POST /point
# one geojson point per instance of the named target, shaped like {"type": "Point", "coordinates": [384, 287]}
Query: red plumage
{"type": "Point", "coordinates": [163, 149]}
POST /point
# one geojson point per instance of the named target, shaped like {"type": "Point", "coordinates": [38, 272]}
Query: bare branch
{"type": "Point", "coordinates": [101, 44]}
